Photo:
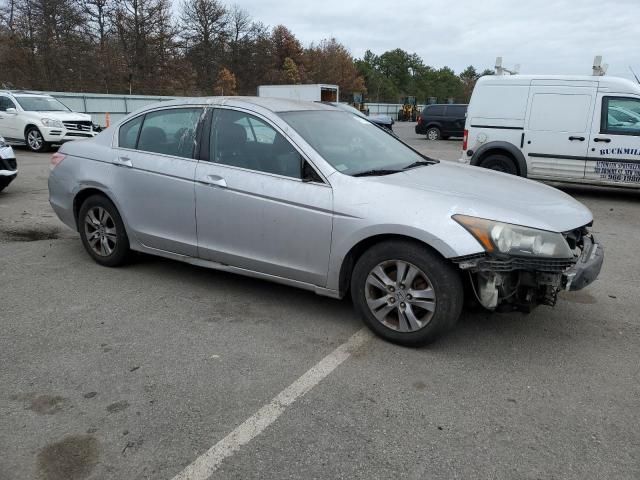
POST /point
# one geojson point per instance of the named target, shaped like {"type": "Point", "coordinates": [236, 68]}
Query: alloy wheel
{"type": "Point", "coordinates": [100, 231]}
{"type": "Point", "coordinates": [34, 139]}
{"type": "Point", "coordinates": [432, 134]}
{"type": "Point", "coordinates": [400, 296]}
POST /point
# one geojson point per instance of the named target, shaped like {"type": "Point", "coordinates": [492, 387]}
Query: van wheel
{"type": "Point", "coordinates": [433, 133]}
{"type": "Point", "coordinates": [500, 163]}
{"type": "Point", "coordinates": [406, 293]}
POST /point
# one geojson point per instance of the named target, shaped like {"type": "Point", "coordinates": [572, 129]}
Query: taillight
{"type": "Point", "coordinates": [419, 119]}
{"type": "Point", "coordinates": [464, 140]}
{"type": "Point", "coordinates": [56, 159]}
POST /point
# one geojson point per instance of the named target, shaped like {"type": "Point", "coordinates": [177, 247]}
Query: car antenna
{"type": "Point", "coordinates": [634, 74]}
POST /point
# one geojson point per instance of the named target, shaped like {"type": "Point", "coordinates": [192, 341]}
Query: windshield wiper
{"type": "Point", "coordinates": [376, 172]}
{"type": "Point", "coordinates": [420, 163]}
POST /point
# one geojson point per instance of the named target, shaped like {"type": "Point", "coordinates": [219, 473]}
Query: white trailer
{"type": "Point", "coordinates": [318, 92]}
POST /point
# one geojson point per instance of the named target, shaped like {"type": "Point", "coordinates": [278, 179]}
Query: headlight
{"type": "Point", "coordinates": [508, 239]}
{"type": "Point", "coordinates": [49, 122]}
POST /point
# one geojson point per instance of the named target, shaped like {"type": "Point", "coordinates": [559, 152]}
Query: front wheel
{"type": "Point", "coordinates": [102, 231]}
{"type": "Point", "coordinates": [406, 293]}
{"type": "Point", "coordinates": [500, 163]}
{"type": "Point", "coordinates": [35, 140]}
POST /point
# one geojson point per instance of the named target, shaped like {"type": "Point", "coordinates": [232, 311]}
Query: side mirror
{"type": "Point", "coordinates": [11, 111]}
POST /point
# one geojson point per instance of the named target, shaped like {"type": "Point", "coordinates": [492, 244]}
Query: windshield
{"type": "Point", "coordinates": [352, 145]}
{"type": "Point", "coordinates": [41, 104]}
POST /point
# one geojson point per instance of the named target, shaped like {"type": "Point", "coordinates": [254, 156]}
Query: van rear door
{"type": "Point", "coordinates": [614, 151]}
{"type": "Point", "coordinates": [557, 130]}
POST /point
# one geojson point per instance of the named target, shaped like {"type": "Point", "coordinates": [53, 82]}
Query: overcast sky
{"type": "Point", "coordinates": [550, 36]}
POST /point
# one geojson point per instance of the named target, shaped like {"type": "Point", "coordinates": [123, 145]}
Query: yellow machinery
{"type": "Point", "coordinates": [358, 102]}
{"type": "Point", "coordinates": [409, 110]}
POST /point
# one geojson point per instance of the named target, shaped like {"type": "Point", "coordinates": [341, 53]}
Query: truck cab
{"type": "Point", "coordinates": [579, 129]}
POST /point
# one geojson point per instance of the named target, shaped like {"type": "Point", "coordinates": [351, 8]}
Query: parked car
{"type": "Point", "coordinates": [313, 197]}
{"type": "Point", "coordinates": [38, 121]}
{"type": "Point", "coordinates": [383, 121]}
{"type": "Point", "coordinates": [441, 121]}
{"type": "Point", "coordinates": [8, 165]}
{"type": "Point", "coordinates": [575, 129]}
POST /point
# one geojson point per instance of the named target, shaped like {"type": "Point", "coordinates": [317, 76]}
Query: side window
{"type": "Point", "coordinates": [456, 111]}
{"type": "Point", "coordinates": [170, 132]}
{"type": "Point", "coordinates": [128, 134]}
{"type": "Point", "coordinates": [6, 103]}
{"type": "Point", "coordinates": [242, 140]}
{"type": "Point", "coordinates": [556, 112]}
{"type": "Point", "coordinates": [620, 116]}
{"type": "Point", "coordinates": [435, 110]}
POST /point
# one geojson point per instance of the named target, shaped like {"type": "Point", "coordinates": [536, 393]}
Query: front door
{"type": "Point", "coordinates": [153, 178]}
{"type": "Point", "coordinates": [614, 151]}
{"type": "Point", "coordinates": [557, 130]}
{"type": "Point", "coordinates": [8, 121]}
{"type": "Point", "coordinates": [253, 208]}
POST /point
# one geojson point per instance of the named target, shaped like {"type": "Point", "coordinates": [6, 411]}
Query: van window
{"type": "Point", "coordinates": [554, 112]}
{"type": "Point", "coordinates": [620, 116]}
{"type": "Point", "coordinates": [456, 111]}
{"type": "Point", "coordinates": [435, 110]}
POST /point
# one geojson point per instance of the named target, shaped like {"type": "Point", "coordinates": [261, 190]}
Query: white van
{"type": "Point", "coordinates": [564, 128]}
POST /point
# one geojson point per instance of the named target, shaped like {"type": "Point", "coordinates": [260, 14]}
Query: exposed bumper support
{"type": "Point", "coordinates": [587, 268]}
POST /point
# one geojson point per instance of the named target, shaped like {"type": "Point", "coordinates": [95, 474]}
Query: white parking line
{"type": "Point", "coordinates": [207, 463]}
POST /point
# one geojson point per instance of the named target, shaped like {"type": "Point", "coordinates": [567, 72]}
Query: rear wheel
{"type": "Point", "coordinates": [102, 231]}
{"type": "Point", "coordinates": [35, 141]}
{"type": "Point", "coordinates": [433, 133]}
{"type": "Point", "coordinates": [500, 163]}
{"type": "Point", "coordinates": [405, 293]}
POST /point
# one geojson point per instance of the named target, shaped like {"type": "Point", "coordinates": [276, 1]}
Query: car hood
{"type": "Point", "coordinates": [493, 195]}
{"type": "Point", "coordinates": [64, 116]}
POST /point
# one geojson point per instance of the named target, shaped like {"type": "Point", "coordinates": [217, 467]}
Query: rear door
{"type": "Point", "coordinates": [614, 151]}
{"type": "Point", "coordinates": [455, 118]}
{"type": "Point", "coordinates": [557, 130]}
{"type": "Point", "coordinates": [154, 175]}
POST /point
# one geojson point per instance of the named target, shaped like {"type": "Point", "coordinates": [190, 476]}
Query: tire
{"type": "Point", "coordinates": [5, 181]}
{"type": "Point", "coordinates": [35, 141]}
{"type": "Point", "coordinates": [433, 133]}
{"type": "Point", "coordinates": [104, 237]}
{"type": "Point", "coordinates": [395, 312]}
{"type": "Point", "coordinates": [500, 163]}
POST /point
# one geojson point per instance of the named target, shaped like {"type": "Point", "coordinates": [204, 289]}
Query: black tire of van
{"type": "Point", "coordinates": [500, 163]}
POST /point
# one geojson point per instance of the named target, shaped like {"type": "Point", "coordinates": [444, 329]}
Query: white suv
{"type": "Point", "coordinates": [38, 120]}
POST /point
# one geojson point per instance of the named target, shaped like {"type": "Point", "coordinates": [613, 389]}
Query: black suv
{"type": "Point", "coordinates": [442, 121]}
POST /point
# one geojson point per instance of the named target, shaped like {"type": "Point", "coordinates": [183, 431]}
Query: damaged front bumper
{"type": "Point", "coordinates": [521, 283]}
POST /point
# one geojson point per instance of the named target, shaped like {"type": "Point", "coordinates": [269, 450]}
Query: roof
{"type": "Point", "coordinates": [613, 84]}
{"type": "Point", "coordinates": [268, 103]}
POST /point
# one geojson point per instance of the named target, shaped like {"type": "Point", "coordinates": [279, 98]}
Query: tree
{"type": "Point", "coordinates": [204, 31]}
{"type": "Point", "coordinates": [330, 62]}
{"type": "Point", "coordinates": [225, 83]}
{"type": "Point", "coordinates": [290, 71]}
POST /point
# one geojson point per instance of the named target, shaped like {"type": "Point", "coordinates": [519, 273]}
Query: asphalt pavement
{"type": "Point", "coordinates": [136, 372]}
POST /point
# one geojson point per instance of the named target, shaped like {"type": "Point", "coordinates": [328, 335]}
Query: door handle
{"type": "Point", "coordinates": [215, 180]}
{"type": "Point", "coordinates": [577, 138]}
{"type": "Point", "coordinates": [605, 140]}
{"type": "Point", "coordinates": [124, 162]}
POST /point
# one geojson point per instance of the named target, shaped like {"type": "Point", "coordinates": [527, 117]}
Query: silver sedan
{"type": "Point", "coordinates": [317, 198]}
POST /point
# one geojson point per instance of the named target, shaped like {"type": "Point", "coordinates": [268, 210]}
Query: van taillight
{"type": "Point", "coordinates": [464, 140]}
{"type": "Point", "coordinates": [419, 119]}
{"type": "Point", "coordinates": [56, 159]}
